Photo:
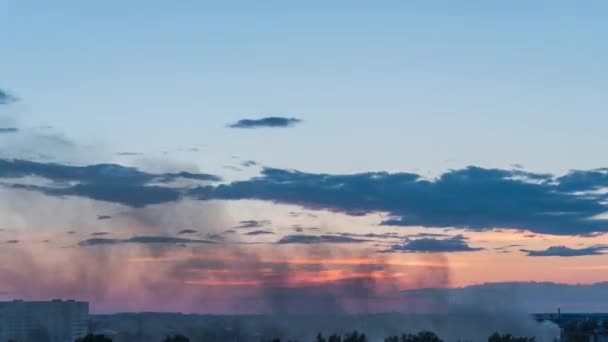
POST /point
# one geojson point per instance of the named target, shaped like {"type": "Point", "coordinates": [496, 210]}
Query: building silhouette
{"type": "Point", "coordinates": [43, 321]}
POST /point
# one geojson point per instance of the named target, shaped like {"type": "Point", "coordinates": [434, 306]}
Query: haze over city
{"type": "Point", "coordinates": [332, 157]}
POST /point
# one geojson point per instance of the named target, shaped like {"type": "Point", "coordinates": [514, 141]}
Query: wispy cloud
{"type": "Point", "coordinates": [6, 97]}
{"type": "Point", "coordinates": [317, 239]}
{"type": "Point", "coordinates": [259, 232]}
{"type": "Point", "coordinates": [456, 243]}
{"type": "Point", "coordinates": [252, 224]}
{"type": "Point", "coordinates": [104, 182]}
{"type": "Point", "coordinates": [272, 122]}
{"type": "Point", "coordinates": [8, 130]}
{"type": "Point", "coordinates": [563, 251]}
{"type": "Point", "coordinates": [143, 240]}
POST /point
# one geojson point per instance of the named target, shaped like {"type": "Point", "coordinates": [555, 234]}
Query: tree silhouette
{"type": "Point", "coordinates": [176, 338]}
{"type": "Point", "coordinates": [94, 338]}
{"type": "Point", "coordinates": [355, 336]}
{"type": "Point", "coordinates": [496, 337]}
{"type": "Point", "coordinates": [423, 336]}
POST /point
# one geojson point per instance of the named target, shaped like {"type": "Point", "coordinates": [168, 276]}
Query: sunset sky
{"type": "Point", "coordinates": [247, 156]}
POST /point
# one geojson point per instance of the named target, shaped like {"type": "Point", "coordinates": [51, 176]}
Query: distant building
{"type": "Point", "coordinates": [52, 321]}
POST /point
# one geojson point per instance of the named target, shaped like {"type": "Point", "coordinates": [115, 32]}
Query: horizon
{"type": "Point", "coordinates": [314, 157]}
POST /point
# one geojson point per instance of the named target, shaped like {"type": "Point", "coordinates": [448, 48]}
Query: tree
{"type": "Point", "coordinates": [355, 336]}
{"type": "Point", "coordinates": [496, 337]}
{"type": "Point", "coordinates": [176, 338]}
{"type": "Point", "coordinates": [94, 338]}
{"type": "Point", "coordinates": [334, 338]}
{"type": "Point", "coordinates": [423, 336]}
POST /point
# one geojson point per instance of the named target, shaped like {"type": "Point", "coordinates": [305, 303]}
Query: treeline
{"type": "Point", "coordinates": [355, 336]}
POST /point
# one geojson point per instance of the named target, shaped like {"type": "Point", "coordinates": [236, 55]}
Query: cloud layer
{"type": "Point", "coordinates": [271, 121]}
{"type": "Point", "coordinates": [453, 244]}
{"type": "Point", "coordinates": [314, 239]}
{"type": "Point", "coordinates": [472, 198]}
{"type": "Point", "coordinates": [142, 240]}
{"type": "Point", "coordinates": [104, 182]}
{"type": "Point", "coordinates": [563, 251]}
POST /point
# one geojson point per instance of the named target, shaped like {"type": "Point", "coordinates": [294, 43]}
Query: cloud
{"type": "Point", "coordinates": [99, 241]}
{"type": "Point", "coordinates": [142, 240]}
{"type": "Point", "coordinates": [248, 163]}
{"type": "Point", "coordinates": [12, 241]}
{"type": "Point", "coordinates": [252, 224]}
{"type": "Point", "coordinates": [6, 98]}
{"type": "Point", "coordinates": [187, 231]}
{"type": "Point", "coordinates": [104, 182]}
{"type": "Point", "coordinates": [99, 233]}
{"type": "Point", "coordinates": [502, 248]}
{"type": "Point", "coordinates": [111, 174]}
{"type": "Point", "coordinates": [129, 153]}
{"type": "Point", "coordinates": [271, 121]}
{"type": "Point", "coordinates": [372, 235]}
{"type": "Point", "coordinates": [104, 217]}
{"type": "Point", "coordinates": [8, 130]}
{"type": "Point", "coordinates": [259, 232]}
{"type": "Point", "coordinates": [430, 245]}
{"type": "Point", "coordinates": [580, 180]}
{"type": "Point", "coordinates": [563, 251]}
{"type": "Point", "coordinates": [316, 239]}
{"type": "Point", "coordinates": [471, 198]}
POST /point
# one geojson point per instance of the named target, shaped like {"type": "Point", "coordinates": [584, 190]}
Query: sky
{"type": "Point", "coordinates": [255, 156]}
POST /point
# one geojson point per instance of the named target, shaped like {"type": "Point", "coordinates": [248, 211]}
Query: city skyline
{"type": "Point", "coordinates": [207, 158]}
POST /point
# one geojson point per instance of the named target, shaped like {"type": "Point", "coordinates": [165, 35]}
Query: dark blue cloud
{"type": "Point", "coordinates": [104, 182]}
{"type": "Point", "coordinates": [471, 198]}
{"type": "Point", "coordinates": [316, 239]}
{"type": "Point", "coordinates": [259, 232]}
{"type": "Point", "coordinates": [252, 224]}
{"type": "Point", "coordinates": [272, 121]}
{"type": "Point", "coordinates": [187, 231]}
{"type": "Point", "coordinates": [579, 180]}
{"type": "Point", "coordinates": [8, 130]}
{"type": "Point", "coordinates": [6, 97]}
{"type": "Point", "coordinates": [129, 153]}
{"type": "Point", "coordinates": [248, 163]}
{"type": "Point", "coordinates": [142, 240]}
{"type": "Point", "coordinates": [92, 174]}
{"type": "Point", "coordinates": [430, 245]}
{"type": "Point", "coordinates": [563, 251]}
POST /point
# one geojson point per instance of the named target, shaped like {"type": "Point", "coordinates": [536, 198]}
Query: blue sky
{"type": "Point", "coordinates": [392, 86]}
